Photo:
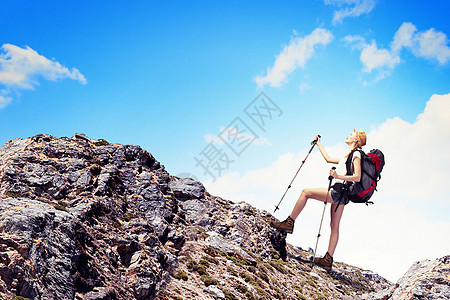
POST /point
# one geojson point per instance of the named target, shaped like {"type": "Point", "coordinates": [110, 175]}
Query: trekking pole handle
{"type": "Point", "coordinates": [315, 140]}
{"type": "Point", "coordinates": [331, 177]}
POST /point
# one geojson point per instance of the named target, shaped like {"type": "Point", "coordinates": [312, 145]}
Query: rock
{"type": "Point", "coordinates": [37, 239]}
{"type": "Point", "coordinates": [219, 243]}
{"type": "Point", "coordinates": [424, 280]}
{"type": "Point", "coordinates": [215, 291]}
{"type": "Point", "coordinates": [187, 188]}
{"type": "Point", "coordinates": [101, 293]}
{"type": "Point", "coordinates": [195, 210]}
{"type": "Point", "coordinates": [63, 203]}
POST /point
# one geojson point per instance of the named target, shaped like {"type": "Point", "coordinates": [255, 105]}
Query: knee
{"type": "Point", "coordinates": [305, 194]}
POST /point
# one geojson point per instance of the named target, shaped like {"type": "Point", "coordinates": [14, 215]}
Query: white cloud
{"type": "Point", "coordinates": [403, 37]}
{"type": "Point", "coordinates": [351, 8]}
{"type": "Point", "coordinates": [4, 101]}
{"type": "Point", "coordinates": [419, 164]}
{"type": "Point", "coordinates": [4, 98]}
{"type": "Point", "coordinates": [293, 56]}
{"type": "Point", "coordinates": [411, 202]}
{"type": "Point", "coordinates": [20, 68]}
{"type": "Point", "coordinates": [374, 58]}
{"type": "Point", "coordinates": [430, 44]}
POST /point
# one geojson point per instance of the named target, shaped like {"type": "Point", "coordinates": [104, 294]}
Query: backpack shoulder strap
{"type": "Point", "coordinates": [348, 163]}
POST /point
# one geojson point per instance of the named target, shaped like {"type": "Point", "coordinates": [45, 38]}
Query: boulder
{"type": "Point", "coordinates": [187, 188]}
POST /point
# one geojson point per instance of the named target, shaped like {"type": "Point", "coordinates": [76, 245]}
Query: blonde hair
{"type": "Point", "coordinates": [361, 139]}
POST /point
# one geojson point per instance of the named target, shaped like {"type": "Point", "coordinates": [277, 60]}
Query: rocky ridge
{"type": "Point", "coordinates": [427, 279]}
{"type": "Point", "coordinates": [86, 219]}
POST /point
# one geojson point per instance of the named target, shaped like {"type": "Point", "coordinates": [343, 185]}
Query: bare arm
{"type": "Point", "coordinates": [356, 174]}
{"type": "Point", "coordinates": [325, 155]}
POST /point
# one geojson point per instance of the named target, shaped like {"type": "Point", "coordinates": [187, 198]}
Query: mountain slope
{"type": "Point", "coordinates": [86, 219]}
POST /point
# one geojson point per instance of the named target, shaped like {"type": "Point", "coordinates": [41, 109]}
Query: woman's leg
{"type": "Point", "coordinates": [326, 262]}
{"type": "Point", "coordinates": [335, 221]}
{"type": "Point", "coordinates": [318, 194]}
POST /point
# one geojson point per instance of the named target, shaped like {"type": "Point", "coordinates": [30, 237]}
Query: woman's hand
{"type": "Point", "coordinates": [317, 139]}
{"type": "Point", "coordinates": [334, 174]}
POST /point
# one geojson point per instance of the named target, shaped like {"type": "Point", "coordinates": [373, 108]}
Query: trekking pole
{"type": "Point", "coordinates": [330, 178]}
{"type": "Point", "coordinates": [313, 143]}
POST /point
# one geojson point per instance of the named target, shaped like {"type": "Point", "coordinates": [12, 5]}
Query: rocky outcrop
{"type": "Point", "coordinates": [86, 219]}
{"type": "Point", "coordinates": [427, 279]}
{"type": "Point", "coordinates": [82, 218]}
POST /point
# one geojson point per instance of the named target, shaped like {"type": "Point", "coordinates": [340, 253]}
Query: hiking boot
{"type": "Point", "coordinates": [286, 226]}
{"type": "Point", "coordinates": [325, 262]}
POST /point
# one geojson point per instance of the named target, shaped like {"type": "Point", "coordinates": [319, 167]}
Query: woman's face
{"type": "Point", "coordinates": [351, 138]}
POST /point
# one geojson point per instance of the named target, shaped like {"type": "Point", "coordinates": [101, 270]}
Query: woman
{"type": "Point", "coordinates": [354, 141]}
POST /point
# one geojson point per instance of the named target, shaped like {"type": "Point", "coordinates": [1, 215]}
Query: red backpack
{"type": "Point", "coordinates": [372, 164]}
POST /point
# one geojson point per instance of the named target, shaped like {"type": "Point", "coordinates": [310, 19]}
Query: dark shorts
{"type": "Point", "coordinates": [339, 198]}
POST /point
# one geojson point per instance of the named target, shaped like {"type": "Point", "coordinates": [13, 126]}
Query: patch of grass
{"type": "Point", "coordinates": [278, 265]}
{"type": "Point", "coordinates": [274, 253]}
{"type": "Point", "coordinates": [128, 217]}
{"type": "Point", "coordinates": [44, 201]}
{"type": "Point", "coordinates": [203, 235]}
{"type": "Point", "coordinates": [241, 288]}
{"type": "Point", "coordinates": [253, 281]}
{"type": "Point", "coordinates": [211, 259]}
{"type": "Point", "coordinates": [262, 293]}
{"type": "Point", "coordinates": [319, 296]}
{"type": "Point", "coordinates": [232, 271]}
{"type": "Point", "coordinates": [192, 266]}
{"type": "Point", "coordinates": [247, 277]}
{"type": "Point", "coordinates": [101, 142]}
{"type": "Point", "coordinates": [204, 262]}
{"type": "Point", "coordinates": [222, 253]}
{"type": "Point", "coordinates": [181, 275]}
{"type": "Point", "coordinates": [211, 251]}
{"type": "Point", "coordinates": [79, 191]}
{"type": "Point", "coordinates": [229, 295]}
{"type": "Point", "coordinates": [257, 285]}
{"type": "Point", "coordinates": [59, 207]}
{"type": "Point", "coordinates": [312, 281]}
{"type": "Point", "coordinates": [249, 296]}
{"type": "Point", "coordinates": [208, 280]}
{"type": "Point", "coordinates": [236, 259]}
{"type": "Point", "coordinates": [13, 194]}
{"type": "Point", "coordinates": [300, 296]}
{"type": "Point", "coordinates": [248, 213]}
{"type": "Point", "coordinates": [263, 275]}
{"type": "Point", "coordinates": [298, 288]}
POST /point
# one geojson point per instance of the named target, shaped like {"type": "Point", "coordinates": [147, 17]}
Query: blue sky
{"type": "Point", "coordinates": [175, 76]}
